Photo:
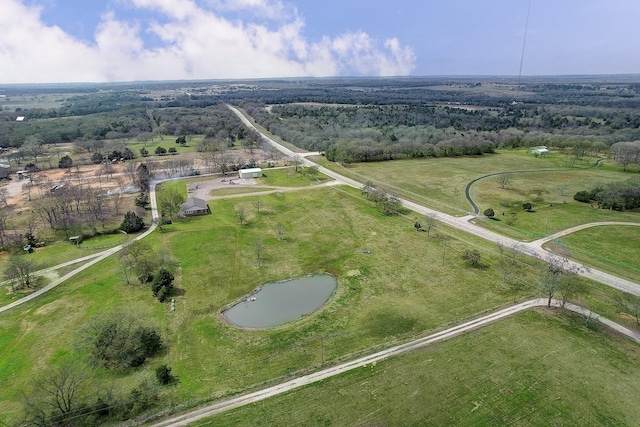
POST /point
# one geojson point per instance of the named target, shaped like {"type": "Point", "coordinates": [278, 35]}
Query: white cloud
{"type": "Point", "coordinates": [197, 43]}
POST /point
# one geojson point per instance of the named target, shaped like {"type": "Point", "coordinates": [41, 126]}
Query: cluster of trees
{"type": "Point", "coordinates": [137, 259]}
{"type": "Point", "coordinates": [66, 394]}
{"type": "Point", "coordinates": [626, 154]}
{"type": "Point", "coordinates": [388, 203]}
{"type": "Point", "coordinates": [72, 208]}
{"type": "Point", "coordinates": [90, 127]}
{"type": "Point", "coordinates": [617, 196]}
{"type": "Point", "coordinates": [387, 132]}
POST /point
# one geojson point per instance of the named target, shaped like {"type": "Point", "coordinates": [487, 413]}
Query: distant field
{"type": "Point", "coordinates": [440, 182]}
{"type": "Point", "coordinates": [536, 369]}
{"type": "Point", "coordinates": [610, 248]}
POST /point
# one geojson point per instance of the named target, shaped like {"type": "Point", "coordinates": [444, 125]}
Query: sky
{"type": "Point", "coordinates": [51, 41]}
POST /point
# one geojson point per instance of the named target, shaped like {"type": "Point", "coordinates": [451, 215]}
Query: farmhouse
{"type": "Point", "coordinates": [194, 206]}
{"type": "Point", "coordinates": [539, 151]}
{"type": "Point", "coordinates": [250, 173]}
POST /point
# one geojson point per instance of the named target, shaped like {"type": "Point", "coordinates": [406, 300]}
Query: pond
{"type": "Point", "coordinates": [277, 303]}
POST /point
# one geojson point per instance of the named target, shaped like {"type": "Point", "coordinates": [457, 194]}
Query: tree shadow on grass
{"type": "Point", "coordinates": [388, 323]}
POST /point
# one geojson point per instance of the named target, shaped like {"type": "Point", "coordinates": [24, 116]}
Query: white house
{"type": "Point", "coordinates": [539, 151]}
{"type": "Point", "coordinates": [194, 206]}
{"type": "Point", "coordinates": [250, 173]}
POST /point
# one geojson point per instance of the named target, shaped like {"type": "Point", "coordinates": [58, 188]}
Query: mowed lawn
{"type": "Point", "coordinates": [611, 248]}
{"type": "Point", "coordinates": [535, 369]}
{"type": "Point", "coordinates": [551, 196]}
{"type": "Point", "coordinates": [440, 182]}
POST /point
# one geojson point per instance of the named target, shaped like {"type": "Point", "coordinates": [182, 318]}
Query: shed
{"type": "Point", "coordinates": [539, 151]}
{"type": "Point", "coordinates": [250, 173]}
{"type": "Point", "coordinates": [4, 170]}
{"type": "Point", "coordinates": [194, 206]}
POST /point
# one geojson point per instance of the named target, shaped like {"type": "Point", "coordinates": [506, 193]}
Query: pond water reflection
{"type": "Point", "coordinates": [277, 303]}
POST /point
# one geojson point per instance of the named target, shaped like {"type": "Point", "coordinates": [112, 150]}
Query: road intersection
{"type": "Point", "coordinates": [534, 248]}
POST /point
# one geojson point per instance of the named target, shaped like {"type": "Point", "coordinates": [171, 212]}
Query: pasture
{"type": "Point", "coordinates": [536, 369]}
{"type": "Point", "coordinates": [395, 284]}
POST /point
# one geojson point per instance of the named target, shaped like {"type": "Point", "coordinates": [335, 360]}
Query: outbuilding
{"type": "Point", "coordinates": [194, 206]}
{"type": "Point", "coordinates": [539, 151]}
{"type": "Point", "coordinates": [250, 173]}
{"type": "Point", "coordinates": [4, 170]}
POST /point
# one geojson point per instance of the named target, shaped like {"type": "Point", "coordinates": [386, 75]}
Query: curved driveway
{"type": "Point", "coordinates": [532, 249]}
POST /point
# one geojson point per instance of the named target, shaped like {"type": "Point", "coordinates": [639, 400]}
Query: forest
{"type": "Point", "coordinates": [350, 120]}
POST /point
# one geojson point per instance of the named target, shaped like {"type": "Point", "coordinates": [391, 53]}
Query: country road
{"type": "Point", "coordinates": [462, 223]}
{"type": "Point", "coordinates": [216, 408]}
{"type": "Point", "coordinates": [532, 248]}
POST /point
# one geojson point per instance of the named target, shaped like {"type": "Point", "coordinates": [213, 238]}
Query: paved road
{"type": "Point", "coordinates": [216, 408]}
{"type": "Point", "coordinates": [532, 248]}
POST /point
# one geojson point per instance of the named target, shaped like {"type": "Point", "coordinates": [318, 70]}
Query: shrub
{"type": "Point", "coordinates": [162, 285]}
{"type": "Point", "coordinates": [96, 158]}
{"type": "Point", "coordinates": [582, 196]}
{"type": "Point", "coordinates": [65, 162]}
{"type": "Point", "coordinates": [471, 257]}
{"type": "Point", "coordinates": [163, 374]}
{"type": "Point", "coordinates": [116, 340]}
{"type": "Point", "coordinates": [489, 213]}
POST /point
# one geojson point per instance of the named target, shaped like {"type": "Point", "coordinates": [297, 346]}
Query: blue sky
{"type": "Point", "coordinates": [125, 40]}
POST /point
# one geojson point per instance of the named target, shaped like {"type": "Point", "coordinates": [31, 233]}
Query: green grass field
{"type": "Point", "coordinates": [440, 182]}
{"type": "Point", "coordinates": [394, 285]}
{"type": "Point", "coordinates": [288, 177]}
{"type": "Point", "coordinates": [536, 369]}
{"type": "Point", "coordinates": [386, 295]}
{"type": "Point", "coordinates": [609, 248]}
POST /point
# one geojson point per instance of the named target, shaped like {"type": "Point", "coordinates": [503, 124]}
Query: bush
{"type": "Point", "coordinates": [582, 196]}
{"type": "Point", "coordinates": [116, 340]}
{"type": "Point", "coordinates": [65, 162]}
{"type": "Point", "coordinates": [471, 257]}
{"type": "Point", "coordinates": [489, 213]}
{"type": "Point", "coordinates": [96, 158]}
{"type": "Point", "coordinates": [142, 199]}
{"type": "Point", "coordinates": [162, 285]}
{"type": "Point", "coordinates": [163, 374]}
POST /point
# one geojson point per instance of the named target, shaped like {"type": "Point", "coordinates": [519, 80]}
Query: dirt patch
{"type": "Point", "coordinates": [202, 190]}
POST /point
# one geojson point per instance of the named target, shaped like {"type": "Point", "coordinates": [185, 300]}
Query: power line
{"type": "Point", "coordinates": [524, 44]}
